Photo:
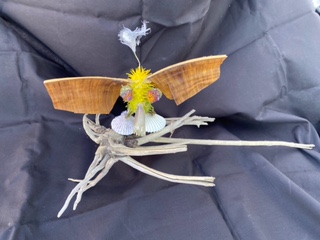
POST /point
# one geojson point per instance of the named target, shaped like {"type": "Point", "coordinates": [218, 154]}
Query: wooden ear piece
{"type": "Point", "coordinates": [86, 95]}
{"type": "Point", "coordinates": [182, 81]}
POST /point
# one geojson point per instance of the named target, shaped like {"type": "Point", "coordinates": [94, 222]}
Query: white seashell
{"type": "Point", "coordinates": [122, 124]}
{"type": "Point", "coordinates": [154, 123]}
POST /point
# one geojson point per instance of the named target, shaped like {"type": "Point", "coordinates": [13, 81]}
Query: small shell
{"type": "Point", "coordinates": [126, 93]}
{"type": "Point", "coordinates": [154, 123]}
{"type": "Point", "coordinates": [154, 95]}
{"type": "Point", "coordinates": [122, 124]}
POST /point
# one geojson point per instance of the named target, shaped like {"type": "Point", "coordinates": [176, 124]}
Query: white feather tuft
{"type": "Point", "coordinates": [132, 38]}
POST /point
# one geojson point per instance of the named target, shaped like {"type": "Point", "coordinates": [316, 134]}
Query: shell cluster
{"type": "Point", "coordinates": [124, 124]}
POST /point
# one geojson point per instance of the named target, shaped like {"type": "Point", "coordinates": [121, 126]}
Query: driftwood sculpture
{"type": "Point", "coordinates": [128, 132]}
{"type": "Point", "coordinates": [114, 147]}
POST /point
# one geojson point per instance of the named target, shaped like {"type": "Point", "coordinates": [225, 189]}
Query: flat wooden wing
{"type": "Point", "coordinates": [182, 81]}
{"type": "Point", "coordinates": [86, 95]}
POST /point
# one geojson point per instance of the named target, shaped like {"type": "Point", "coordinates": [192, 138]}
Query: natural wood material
{"type": "Point", "coordinates": [182, 81]}
{"type": "Point", "coordinates": [114, 147]}
{"type": "Point", "coordinates": [97, 95]}
{"type": "Point", "coordinates": [89, 95]}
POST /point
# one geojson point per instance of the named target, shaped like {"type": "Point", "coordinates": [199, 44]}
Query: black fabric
{"type": "Point", "coordinates": [268, 90]}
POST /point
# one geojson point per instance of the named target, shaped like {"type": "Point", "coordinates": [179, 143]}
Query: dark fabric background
{"type": "Point", "coordinates": [268, 90]}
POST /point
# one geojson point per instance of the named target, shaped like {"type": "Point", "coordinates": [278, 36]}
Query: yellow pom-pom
{"type": "Point", "coordinates": [139, 74]}
{"type": "Point", "coordinates": [140, 86]}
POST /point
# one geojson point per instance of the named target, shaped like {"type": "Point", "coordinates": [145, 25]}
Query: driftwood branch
{"type": "Point", "coordinates": [114, 147]}
{"type": "Point", "coordinates": [233, 143]}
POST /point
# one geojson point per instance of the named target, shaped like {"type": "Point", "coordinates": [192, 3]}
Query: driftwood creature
{"type": "Point", "coordinates": [125, 139]}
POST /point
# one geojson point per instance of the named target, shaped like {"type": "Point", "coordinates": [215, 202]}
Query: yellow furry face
{"type": "Point", "coordinates": [140, 86]}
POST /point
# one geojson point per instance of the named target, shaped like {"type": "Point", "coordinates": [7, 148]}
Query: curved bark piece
{"type": "Point", "coordinates": [182, 81]}
{"type": "Point", "coordinates": [86, 95]}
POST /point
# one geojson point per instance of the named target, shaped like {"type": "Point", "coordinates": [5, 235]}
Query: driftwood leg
{"type": "Point", "coordinates": [89, 181]}
{"type": "Point", "coordinates": [89, 184]}
{"type": "Point", "coordinates": [195, 180]}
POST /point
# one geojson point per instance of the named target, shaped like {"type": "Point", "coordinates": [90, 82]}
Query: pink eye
{"type": "Point", "coordinates": [154, 95]}
{"type": "Point", "coordinates": [126, 93]}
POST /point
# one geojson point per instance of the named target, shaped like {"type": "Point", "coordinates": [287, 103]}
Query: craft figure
{"type": "Point", "coordinates": [97, 95]}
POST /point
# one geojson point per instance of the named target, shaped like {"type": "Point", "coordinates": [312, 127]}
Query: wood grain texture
{"type": "Point", "coordinates": [182, 81]}
{"type": "Point", "coordinates": [97, 95]}
{"type": "Point", "coordinates": [86, 95]}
